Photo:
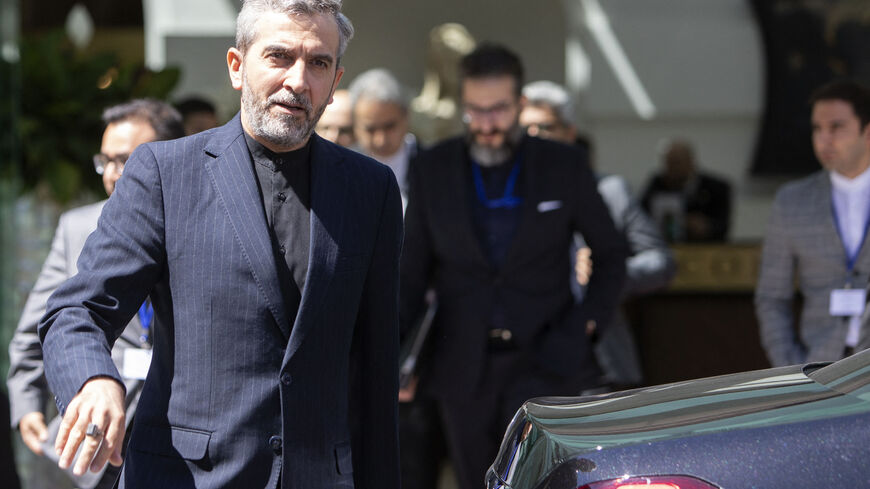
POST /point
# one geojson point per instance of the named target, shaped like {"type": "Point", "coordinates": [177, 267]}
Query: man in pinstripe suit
{"type": "Point", "coordinates": [816, 232]}
{"type": "Point", "coordinates": [271, 257]}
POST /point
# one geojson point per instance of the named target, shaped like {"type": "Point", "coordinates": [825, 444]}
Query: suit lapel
{"type": "Point", "coordinates": [232, 174]}
{"type": "Point", "coordinates": [329, 182]}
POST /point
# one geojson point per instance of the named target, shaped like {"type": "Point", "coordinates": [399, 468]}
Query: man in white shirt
{"type": "Point", "coordinates": [815, 237]}
{"type": "Point", "coordinates": [380, 122]}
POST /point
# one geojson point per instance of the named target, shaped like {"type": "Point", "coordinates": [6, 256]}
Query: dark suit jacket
{"type": "Point", "coordinates": [442, 249]}
{"type": "Point", "coordinates": [708, 195]}
{"type": "Point", "coordinates": [239, 391]}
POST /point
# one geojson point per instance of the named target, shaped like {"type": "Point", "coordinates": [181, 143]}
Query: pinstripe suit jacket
{"type": "Point", "coordinates": [802, 243]}
{"type": "Point", "coordinates": [239, 394]}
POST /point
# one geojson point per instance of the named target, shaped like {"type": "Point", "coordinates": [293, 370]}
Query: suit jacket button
{"type": "Point", "coordinates": [286, 378]}
{"type": "Point", "coordinates": [275, 444]}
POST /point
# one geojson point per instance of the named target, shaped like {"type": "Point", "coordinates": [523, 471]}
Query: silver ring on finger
{"type": "Point", "coordinates": [94, 431]}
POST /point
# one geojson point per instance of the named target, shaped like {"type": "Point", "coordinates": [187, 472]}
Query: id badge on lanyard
{"type": "Point", "coordinates": [847, 302]}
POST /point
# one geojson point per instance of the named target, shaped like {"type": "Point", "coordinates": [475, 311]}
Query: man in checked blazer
{"type": "Point", "coordinates": [127, 126]}
{"type": "Point", "coordinates": [271, 256]}
{"type": "Point", "coordinates": [489, 225]}
{"type": "Point", "coordinates": [816, 237]}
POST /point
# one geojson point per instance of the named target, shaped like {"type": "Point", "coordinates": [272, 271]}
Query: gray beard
{"type": "Point", "coordinates": [283, 130]}
{"type": "Point", "coordinates": [489, 157]}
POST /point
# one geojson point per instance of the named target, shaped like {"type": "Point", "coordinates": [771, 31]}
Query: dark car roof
{"type": "Point", "coordinates": [548, 431]}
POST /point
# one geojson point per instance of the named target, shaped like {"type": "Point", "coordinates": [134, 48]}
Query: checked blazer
{"type": "Point", "coordinates": [802, 244]}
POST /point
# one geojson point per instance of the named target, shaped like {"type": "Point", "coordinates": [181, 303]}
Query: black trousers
{"type": "Point", "coordinates": [475, 424]}
{"type": "Point", "coordinates": [422, 448]}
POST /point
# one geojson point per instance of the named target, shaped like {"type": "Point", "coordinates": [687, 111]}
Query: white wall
{"type": "Point", "coordinates": [394, 33]}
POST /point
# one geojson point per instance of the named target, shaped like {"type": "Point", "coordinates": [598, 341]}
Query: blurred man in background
{"type": "Point", "coordinates": [380, 122]}
{"type": "Point", "coordinates": [490, 220]}
{"type": "Point", "coordinates": [127, 126]}
{"type": "Point", "coordinates": [198, 114]}
{"type": "Point", "coordinates": [816, 237]}
{"type": "Point", "coordinates": [336, 123]}
{"type": "Point", "coordinates": [549, 113]}
{"type": "Point", "coordinates": [688, 204]}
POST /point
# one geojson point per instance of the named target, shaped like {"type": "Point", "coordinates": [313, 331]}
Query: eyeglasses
{"type": "Point", "coordinates": [496, 111]}
{"type": "Point", "coordinates": [102, 161]}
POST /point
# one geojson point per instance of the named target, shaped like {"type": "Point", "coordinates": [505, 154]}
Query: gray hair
{"type": "Point", "coordinates": [552, 95]}
{"type": "Point", "coordinates": [163, 118]}
{"type": "Point", "coordinates": [252, 9]}
{"type": "Point", "coordinates": [379, 85]}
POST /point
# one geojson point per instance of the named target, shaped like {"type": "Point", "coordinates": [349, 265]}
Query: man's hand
{"type": "Point", "coordinates": [406, 394]}
{"type": "Point", "coordinates": [591, 328]}
{"type": "Point", "coordinates": [33, 431]}
{"type": "Point", "coordinates": [100, 401]}
{"type": "Point", "coordinates": [583, 265]}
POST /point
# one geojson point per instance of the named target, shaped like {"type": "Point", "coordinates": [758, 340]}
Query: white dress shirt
{"type": "Point", "coordinates": [851, 198]}
{"type": "Point", "coordinates": [398, 162]}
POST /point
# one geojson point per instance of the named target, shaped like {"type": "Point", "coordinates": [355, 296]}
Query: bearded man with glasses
{"type": "Point", "coordinates": [490, 220]}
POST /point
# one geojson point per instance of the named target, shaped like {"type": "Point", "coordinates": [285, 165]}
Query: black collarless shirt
{"type": "Point", "coordinates": [284, 180]}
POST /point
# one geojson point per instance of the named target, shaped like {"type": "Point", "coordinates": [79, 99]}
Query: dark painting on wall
{"type": "Point", "coordinates": [807, 43]}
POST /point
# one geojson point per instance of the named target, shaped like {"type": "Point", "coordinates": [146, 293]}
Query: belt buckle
{"type": "Point", "coordinates": [501, 339]}
{"type": "Point", "coordinates": [501, 334]}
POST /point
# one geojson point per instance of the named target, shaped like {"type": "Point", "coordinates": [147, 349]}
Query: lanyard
{"type": "Point", "coordinates": [851, 258]}
{"type": "Point", "coordinates": [146, 314]}
{"type": "Point", "coordinates": [508, 200]}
